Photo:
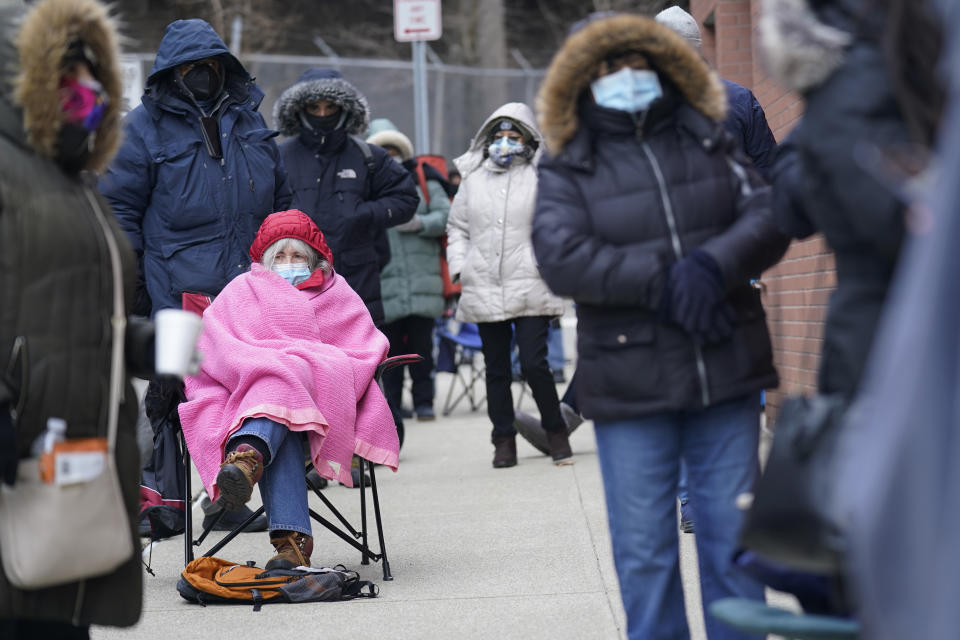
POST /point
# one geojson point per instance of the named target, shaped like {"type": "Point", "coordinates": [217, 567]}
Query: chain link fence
{"type": "Point", "coordinates": [460, 98]}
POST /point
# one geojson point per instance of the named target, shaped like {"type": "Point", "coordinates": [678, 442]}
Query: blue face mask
{"type": "Point", "coordinates": [294, 273]}
{"type": "Point", "coordinates": [504, 150]}
{"type": "Point", "coordinates": [630, 90]}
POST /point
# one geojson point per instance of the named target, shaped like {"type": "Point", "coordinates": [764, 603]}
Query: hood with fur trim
{"type": "Point", "coordinates": [800, 48]}
{"type": "Point", "coordinates": [577, 64]}
{"type": "Point", "coordinates": [313, 85]}
{"type": "Point", "coordinates": [32, 47]}
{"type": "Point", "coordinates": [516, 111]}
{"type": "Point", "coordinates": [384, 133]}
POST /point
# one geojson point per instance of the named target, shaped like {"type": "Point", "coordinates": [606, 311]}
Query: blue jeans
{"type": "Point", "coordinates": [283, 486]}
{"type": "Point", "coordinates": [640, 462]}
{"type": "Point", "coordinates": [682, 494]}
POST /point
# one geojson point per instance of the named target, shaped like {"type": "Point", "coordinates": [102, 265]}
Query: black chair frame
{"type": "Point", "coordinates": [358, 539]}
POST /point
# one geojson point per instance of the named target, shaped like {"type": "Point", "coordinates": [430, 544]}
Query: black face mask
{"type": "Point", "coordinates": [324, 124]}
{"type": "Point", "coordinates": [203, 81]}
{"type": "Point", "coordinates": [74, 145]}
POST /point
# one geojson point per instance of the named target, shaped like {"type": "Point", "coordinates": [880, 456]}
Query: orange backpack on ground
{"type": "Point", "coordinates": [209, 580]}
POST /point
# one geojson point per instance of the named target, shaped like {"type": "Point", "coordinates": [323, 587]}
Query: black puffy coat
{"type": "Point", "coordinates": [827, 179]}
{"type": "Point", "coordinates": [620, 201]}
{"type": "Point", "coordinates": [331, 182]}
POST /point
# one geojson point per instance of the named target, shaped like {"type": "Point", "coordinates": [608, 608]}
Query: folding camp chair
{"type": "Point", "coordinates": [467, 348]}
{"type": "Point", "coordinates": [760, 618]}
{"type": "Point", "coordinates": [345, 530]}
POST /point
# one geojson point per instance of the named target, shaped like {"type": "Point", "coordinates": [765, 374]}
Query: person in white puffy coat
{"type": "Point", "coordinates": [491, 255]}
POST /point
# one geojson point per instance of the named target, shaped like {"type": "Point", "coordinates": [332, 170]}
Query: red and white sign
{"type": "Point", "coordinates": [416, 20]}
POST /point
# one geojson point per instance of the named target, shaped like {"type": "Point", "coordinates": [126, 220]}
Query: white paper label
{"type": "Point", "coordinates": [78, 466]}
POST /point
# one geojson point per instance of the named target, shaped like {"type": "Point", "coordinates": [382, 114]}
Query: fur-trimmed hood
{"type": "Point", "coordinates": [32, 47]}
{"type": "Point", "coordinates": [384, 133]}
{"type": "Point", "coordinates": [577, 64]}
{"type": "Point", "coordinates": [800, 48]}
{"type": "Point", "coordinates": [476, 152]}
{"type": "Point", "coordinates": [320, 83]}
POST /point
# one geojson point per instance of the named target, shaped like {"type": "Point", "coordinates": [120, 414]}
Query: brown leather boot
{"type": "Point", "coordinates": [293, 549]}
{"type": "Point", "coordinates": [238, 473]}
{"type": "Point", "coordinates": [505, 452]}
{"type": "Point", "coordinates": [559, 444]}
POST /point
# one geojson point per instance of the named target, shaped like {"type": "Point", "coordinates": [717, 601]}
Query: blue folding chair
{"type": "Point", "coordinates": [466, 349]}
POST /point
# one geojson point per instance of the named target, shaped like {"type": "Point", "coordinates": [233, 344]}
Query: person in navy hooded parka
{"type": "Point", "coordinates": [198, 170]}
{"type": "Point", "coordinates": [197, 174]}
{"type": "Point", "coordinates": [351, 190]}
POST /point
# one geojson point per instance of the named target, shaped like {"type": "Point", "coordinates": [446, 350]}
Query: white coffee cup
{"type": "Point", "coordinates": [176, 341]}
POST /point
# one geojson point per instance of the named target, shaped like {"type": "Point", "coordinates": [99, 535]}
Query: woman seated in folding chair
{"type": "Point", "coordinates": [289, 350]}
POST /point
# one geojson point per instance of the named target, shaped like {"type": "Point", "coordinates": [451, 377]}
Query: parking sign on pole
{"type": "Point", "coordinates": [416, 21]}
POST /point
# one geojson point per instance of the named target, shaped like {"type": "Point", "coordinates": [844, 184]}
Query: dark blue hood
{"type": "Point", "coordinates": [319, 73]}
{"type": "Point", "coordinates": [189, 40]}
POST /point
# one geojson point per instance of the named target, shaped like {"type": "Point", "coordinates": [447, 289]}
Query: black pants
{"type": "Point", "coordinates": [411, 334]}
{"type": "Point", "coordinates": [531, 333]}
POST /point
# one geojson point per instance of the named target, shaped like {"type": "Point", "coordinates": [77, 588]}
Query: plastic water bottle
{"type": "Point", "coordinates": [55, 432]}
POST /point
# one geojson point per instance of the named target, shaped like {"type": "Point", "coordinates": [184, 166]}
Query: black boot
{"type": "Point", "coordinates": [505, 452]}
{"type": "Point", "coordinates": [559, 444]}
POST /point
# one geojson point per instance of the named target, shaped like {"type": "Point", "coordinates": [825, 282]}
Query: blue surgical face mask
{"type": "Point", "coordinates": [630, 90]}
{"type": "Point", "coordinates": [294, 273]}
{"type": "Point", "coordinates": [504, 150]}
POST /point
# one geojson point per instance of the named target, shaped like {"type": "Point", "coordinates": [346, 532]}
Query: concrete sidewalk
{"type": "Point", "coordinates": [475, 552]}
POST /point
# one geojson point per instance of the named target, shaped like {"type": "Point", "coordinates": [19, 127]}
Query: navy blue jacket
{"type": "Point", "coordinates": [352, 206]}
{"type": "Point", "coordinates": [352, 198]}
{"type": "Point", "coordinates": [747, 123]}
{"type": "Point", "coordinates": [191, 218]}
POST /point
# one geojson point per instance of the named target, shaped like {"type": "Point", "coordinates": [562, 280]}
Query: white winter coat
{"type": "Point", "coordinates": [489, 248]}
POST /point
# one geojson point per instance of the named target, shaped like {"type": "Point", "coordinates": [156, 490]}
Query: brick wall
{"type": "Point", "coordinates": [796, 290]}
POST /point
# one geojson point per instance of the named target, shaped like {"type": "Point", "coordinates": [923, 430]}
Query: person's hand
{"type": "Point", "coordinates": [694, 297]}
{"type": "Point", "coordinates": [412, 225]}
{"type": "Point", "coordinates": [8, 447]}
{"type": "Point", "coordinates": [721, 324]}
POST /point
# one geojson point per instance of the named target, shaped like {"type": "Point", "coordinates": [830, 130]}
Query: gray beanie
{"type": "Point", "coordinates": [682, 23]}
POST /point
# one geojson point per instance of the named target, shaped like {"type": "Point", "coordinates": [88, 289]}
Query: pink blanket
{"type": "Point", "coordinates": [304, 358]}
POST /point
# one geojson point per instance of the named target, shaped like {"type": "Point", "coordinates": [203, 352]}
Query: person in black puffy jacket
{"type": "Point", "coordinates": [651, 219]}
{"type": "Point", "coordinates": [352, 191]}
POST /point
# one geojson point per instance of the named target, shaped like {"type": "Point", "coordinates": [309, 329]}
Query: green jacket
{"type": "Point", "coordinates": [61, 253]}
{"type": "Point", "coordinates": [411, 283]}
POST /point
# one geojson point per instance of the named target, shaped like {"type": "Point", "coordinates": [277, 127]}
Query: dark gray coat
{"type": "Point", "coordinates": [827, 179]}
{"type": "Point", "coordinates": [57, 294]}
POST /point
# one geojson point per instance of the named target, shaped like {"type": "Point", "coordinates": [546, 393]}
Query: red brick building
{"type": "Point", "coordinates": [797, 289]}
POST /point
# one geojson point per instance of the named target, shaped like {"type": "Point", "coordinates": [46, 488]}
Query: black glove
{"type": "Point", "coordinates": [139, 347]}
{"type": "Point", "coordinates": [8, 446]}
{"type": "Point", "coordinates": [721, 326]}
{"type": "Point", "coordinates": [694, 298]}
